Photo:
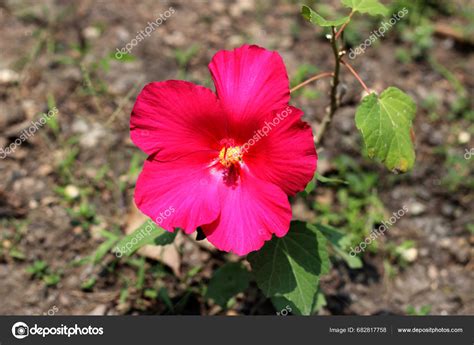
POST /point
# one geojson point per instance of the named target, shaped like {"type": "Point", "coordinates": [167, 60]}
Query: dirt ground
{"type": "Point", "coordinates": [75, 177]}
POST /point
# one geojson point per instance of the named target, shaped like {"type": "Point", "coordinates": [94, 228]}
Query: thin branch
{"type": "Point", "coordinates": [344, 25]}
{"type": "Point", "coordinates": [316, 77]}
{"type": "Point", "coordinates": [356, 75]}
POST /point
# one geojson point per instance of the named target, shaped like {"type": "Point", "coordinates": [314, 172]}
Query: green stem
{"type": "Point", "coordinates": [335, 82]}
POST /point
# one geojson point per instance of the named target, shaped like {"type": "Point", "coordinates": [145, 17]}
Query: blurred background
{"type": "Point", "coordinates": [66, 193]}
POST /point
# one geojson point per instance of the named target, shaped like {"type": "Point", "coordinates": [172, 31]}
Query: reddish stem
{"type": "Point", "coordinates": [344, 25]}
{"type": "Point", "coordinates": [316, 77]}
{"type": "Point", "coordinates": [356, 75]}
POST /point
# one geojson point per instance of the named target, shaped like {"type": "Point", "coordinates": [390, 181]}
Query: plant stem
{"type": "Point", "coordinates": [316, 77]}
{"type": "Point", "coordinates": [356, 75]}
{"type": "Point", "coordinates": [335, 81]}
{"type": "Point", "coordinates": [344, 26]}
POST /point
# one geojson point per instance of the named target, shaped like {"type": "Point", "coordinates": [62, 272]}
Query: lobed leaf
{"type": "Point", "coordinates": [287, 269]}
{"type": "Point", "coordinates": [371, 7]}
{"type": "Point", "coordinates": [227, 281]}
{"type": "Point", "coordinates": [385, 122]}
{"type": "Point", "coordinates": [317, 19]}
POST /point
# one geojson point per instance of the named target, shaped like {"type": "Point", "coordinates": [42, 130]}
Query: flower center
{"type": "Point", "coordinates": [229, 156]}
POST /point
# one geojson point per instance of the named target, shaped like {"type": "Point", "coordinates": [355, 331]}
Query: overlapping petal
{"type": "Point", "coordinates": [251, 211]}
{"type": "Point", "coordinates": [177, 117]}
{"type": "Point", "coordinates": [185, 187]}
{"type": "Point", "coordinates": [283, 152]}
{"type": "Point", "coordinates": [250, 82]}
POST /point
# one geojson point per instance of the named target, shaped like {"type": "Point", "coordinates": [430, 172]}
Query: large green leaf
{"type": "Point", "coordinates": [284, 306]}
{"type": "Point", "coordinates": [147, 233]}
{"type": "Point", "coordinates": [317, 19]}
{"type": "Point", "coordinates": [289, 267]}
{"type": "Point", "coordinates": [372, 7]}
{"type": "Point", "coordinates": [385, 122]}
{"type": "Point", "coordinates": [227, 281]}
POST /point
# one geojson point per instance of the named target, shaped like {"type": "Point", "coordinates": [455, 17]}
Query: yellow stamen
{"type": "Point", "coordinates": [230, 155]}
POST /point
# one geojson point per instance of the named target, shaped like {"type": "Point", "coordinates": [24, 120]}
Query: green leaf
{"type": "Point", "coordinates": [89, 283]}
{"type": "Point", "coordinates": [52, 279]}
{"type": "Point", "coordinates": [147, 233]}
{"type": "Point", "coordinates": [340, 242]}
{"type": "Point", "coordinates": [323, 179]}
{"type": "Point", "coordinates": [320, 178]}
{"type": "Point", "coordinates": [124, 57]}
{"type": "Point", "coordinates": [150, 293]}
{"type": "Point", "coordinates": [105, 247]}
{"type": "Point", "coordinates": [165, 297]}
{"type": "Point", "coordinates": [317, 19]}
{"type": "Point", "coordinates": [385, 122]}
{"type": "Point", "coordinates": [227, 281]}
{"type": "Point", "coordinates": [310, 186]}
{"type": "Point", "coordinates": [319, 301]}
{"type": "Point", "coordinates": [285, 307]}
{"type": "Point", "coordinates": [290, 266]}
{"type": "Point", "coordinates": [372, 7]}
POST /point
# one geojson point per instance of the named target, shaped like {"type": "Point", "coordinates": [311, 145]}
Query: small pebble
{"type": "Point", "coordinates": [71, 191]}
{"type": "Point", "coordinates": [464, 137]}
{"type": "Point", "coordinates": [91, 32]}
{"type": "Point", "coordinates": [410, 254]}
{"type": "Point", "coordinates": [8, 76]}
{"type": "Point", "coordinates": [416, 208]}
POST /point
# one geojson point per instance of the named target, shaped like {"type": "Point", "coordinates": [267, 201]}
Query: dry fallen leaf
{"type": "Point", "coordinates": [168, 254]}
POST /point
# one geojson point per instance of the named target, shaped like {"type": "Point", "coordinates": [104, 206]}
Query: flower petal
{"type": "Point", "coordinates": [250, 81]}
{"type": "Point", "coordinates": [286, 155]}
{"type": "Point", "coordinates": [184, 186]}
{"type": "Point", "coordinates": [250, 212]}
{"type": "Point", "coordinates": [177, 117]}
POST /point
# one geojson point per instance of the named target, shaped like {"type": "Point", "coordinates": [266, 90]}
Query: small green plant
{"type": "Point", "coordinates": [10, 240]}
{"type": "Point", "coordinates": [422, 311]}
{"type": "Point", "coordinates": [40, 270]}
{"type": "Point", "coordinates": [459, 172]}
{"type": "Point", "coordinates": [83, 215]}
{"type": "Point", "coordinates": [401, 254]}
{"type": "Point", "coordinates": [183, 57]}
{"type": "Point", "coordinates": [356, 209]}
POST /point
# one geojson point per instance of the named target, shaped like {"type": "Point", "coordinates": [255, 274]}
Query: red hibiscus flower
{"type": "Point", "coordinates": [225, 162]}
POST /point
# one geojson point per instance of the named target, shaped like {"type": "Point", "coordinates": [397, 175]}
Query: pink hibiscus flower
{"type": "Point", "coordinates": [225, 162]}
